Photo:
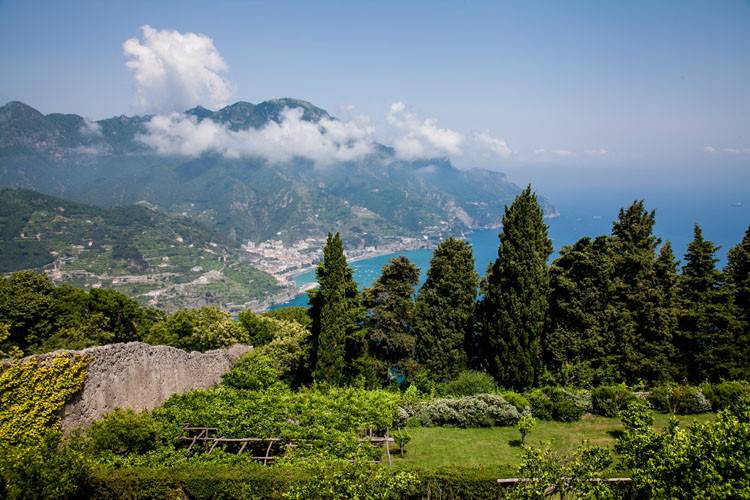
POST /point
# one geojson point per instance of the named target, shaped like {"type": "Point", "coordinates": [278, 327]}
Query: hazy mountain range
{"type": "Point", "coordinates": [378, 196]}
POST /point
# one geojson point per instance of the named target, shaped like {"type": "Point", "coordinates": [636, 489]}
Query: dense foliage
{"type": "Point", "coordinates": [32, 394]}
{"type": "Point", "coordinates": [704, 461]}
{"type": "Point", "coordinates": [338, 337]}
{"type": "Point", "coordinates": [444, 310]}
{"type": "Point", "coordinates": [515, 296]}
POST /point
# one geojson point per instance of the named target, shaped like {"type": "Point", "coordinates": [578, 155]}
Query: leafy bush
{"type": "Point", "coordinates": [259, 329]}
{"type": "Point", "coordinates": [609, 400]}
{"type": "Point", "coordinates": [123, 432]}
{"type": "Point", "coordinates": [254, 371]}
{"type": "Point", "coordinates": [556, 403]}
{"type": "Point", "coordinates": [297, 314]}
{"type": "Point", "coordinates": [724, 394]}
{"type": "Point", "coordinates": [48, 469]}
{"type": "Point", "coordinates": [317, 480]}
{"type": "Point", "coordinates": [541, 404]}
{"type": "Point", "coordinates": [707, 460]}
{"type": "Point", "coordinates": [517, 400]}
{"type": "Point", "coordinates": [468, 383]}
{"type": "Point", "coordinates": [525, 425]}
{"type": "Point", "coordinates": [32, 393]}
{"type": "Point", "coordinates": [679, 399]}
{"type": "Point", "coordinates": [198, 330]}
{"type": "Point", "coordinates": [482, 410]}
{"type": "Point", "coordinates": [328, 418]}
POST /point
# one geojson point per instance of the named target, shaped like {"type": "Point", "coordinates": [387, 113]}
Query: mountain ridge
{"type": "Point", "coordinates": [371, 200]}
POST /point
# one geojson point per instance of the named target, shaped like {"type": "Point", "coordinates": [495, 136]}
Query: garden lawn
{"type": "Point", "coordinates": [499, 446]}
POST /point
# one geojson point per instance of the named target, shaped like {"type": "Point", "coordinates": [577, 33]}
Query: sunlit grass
{"type": "Point", "coordinates": [499, 446]}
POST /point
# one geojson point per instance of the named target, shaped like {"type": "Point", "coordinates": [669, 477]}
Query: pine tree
{"type": "Point", "coordinates": [337, 316]}
{"type": "Point", "coordinates": [708, 326]}
{"type": "Point", "coordinates": [642, 328]}
{"type": "Point", "coordinates": [445, 310]}
{"type": "Point", "coordinates": [390, 305]}
{"type": "Point", "coordinates": [514, 307]}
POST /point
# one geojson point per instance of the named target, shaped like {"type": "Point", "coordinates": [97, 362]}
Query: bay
{"type": "Point", "coordinates": [723, 216]}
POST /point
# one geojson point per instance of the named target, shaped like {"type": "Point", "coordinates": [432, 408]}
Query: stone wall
{"type": "Point", "coordinates": [142, 377]}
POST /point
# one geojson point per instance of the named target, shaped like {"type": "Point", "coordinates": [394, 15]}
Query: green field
{"type": "Point", "coordinates": [499, 446]}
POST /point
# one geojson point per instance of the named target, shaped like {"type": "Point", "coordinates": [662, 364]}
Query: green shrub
{"type": "Point", "coordinates": [541, 404]}
{"type": "Point", "coordinates": [517, 400]}
{"type": "Point", "coordinates": [48, 469]}
{"type": "Point", "coordinates": [198, 330]}
{"type": "Point", "coordinates": [724, 394]}
{"type": "Point", "coordinates": [482, 410]}
{"type": "Point", "coordinates": [469, 383]}
{"type": "Point", "coordinates": [525, 425]}
{"type": "Point", "coordinates": [123, 432]}
{"type": "Point", "coordinates": [254, 371]}
{"type": "Point", "coordinates": [297, 314]}
{"type": "Point", "coordinates": [679, 399]}
{"type": "Point", "coordinates": [556, 403]}
{"type": "Point", "coordinates": [706, 460]}
{"type": "Point", "coordinates": [33, 393]}
{"type": "Point", "coordinates": [609, 400]}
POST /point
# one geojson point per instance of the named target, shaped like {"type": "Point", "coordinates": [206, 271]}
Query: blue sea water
{"type": "Point", "coordinates": [723, 215]}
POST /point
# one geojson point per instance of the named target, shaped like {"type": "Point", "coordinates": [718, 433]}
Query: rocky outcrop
{"type": "Point", "coordinates": [141, 377]}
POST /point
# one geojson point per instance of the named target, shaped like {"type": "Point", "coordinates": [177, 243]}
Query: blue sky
{"type": "Point", "coordinates": [655, 87]}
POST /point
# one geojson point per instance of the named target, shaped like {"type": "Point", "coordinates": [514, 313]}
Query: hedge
{"type": "Point", "coordinates": [262, 482]}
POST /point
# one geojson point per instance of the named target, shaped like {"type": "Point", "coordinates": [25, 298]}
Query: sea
{"type": "Point", "coordinates": [724, 216]}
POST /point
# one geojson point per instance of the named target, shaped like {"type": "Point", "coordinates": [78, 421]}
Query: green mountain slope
{"type": "Point", "coordinates": [370, 200]}
{"type": "Point", "coordinates": [161, 260]}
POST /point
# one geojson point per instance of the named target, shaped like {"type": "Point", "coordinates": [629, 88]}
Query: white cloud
{"type": "Point", "coordinates": [727, 151]}
{"type": "Point", "coordinates": [494, 144]}
{"type": "Point", "coordinates": [421, 138]}
{"type": "Point", "coordinates": [558, 153]}
{"type": "Point", "coordinates": [174, 71]}
{"type": "Point", "coordinates": [325, 142]}
{"type": "Point", "coordinates": [597, 152]}
{"type": "Point", "coordinates": [90, 128]}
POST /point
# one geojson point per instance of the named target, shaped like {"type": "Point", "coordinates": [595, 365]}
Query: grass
{"type": "Point", "coordinates": [433, 447]}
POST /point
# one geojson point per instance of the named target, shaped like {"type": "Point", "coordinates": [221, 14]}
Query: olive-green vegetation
{"type": "Point", "coordinates": [339, 343]}
{"type": "Point", "coordinates": [444, 311]}
{"type": "Point", "coordinates": [390, 316]}
{"type": "Point", "coordinates": [612, 328]}
{"type": "Point", "coordinates": [514, 306]}
{"type": "Point", "coordinates": [32, 395]}
{"type": "Point", "coordinates": [134, 249]}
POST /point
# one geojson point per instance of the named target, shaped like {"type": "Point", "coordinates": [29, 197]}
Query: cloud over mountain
{"type": "Point", "coordinates": [175, 71]}
{"type": "Point", "coordinates": [420, 138]}
{"type": "Point", "coordinates": [324, 142]}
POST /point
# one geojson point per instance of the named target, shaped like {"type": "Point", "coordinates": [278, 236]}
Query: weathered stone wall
{"type": "Point", "coordinates": [141, 377]}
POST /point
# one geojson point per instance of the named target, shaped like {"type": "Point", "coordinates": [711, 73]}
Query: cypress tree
{"type": "Point", "coordinates": [390, 305]}
{"type": "Point", "coordinates": [445, 310]}
{"type": "Point", "coordinates": [642, 328]}
{"type": "Point", "coordinates": [578, 339]}
{"type": "Point", "coordinates": [708, 326]}
{"type": "Point", "coordinates": [514, 306]}
{"type": "Point", "coordinates": [337, 314]}
{"type": "Point", "coordinates": [738, 276]}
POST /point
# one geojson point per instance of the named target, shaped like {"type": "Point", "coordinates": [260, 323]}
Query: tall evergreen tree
{"type": "Point", "coordinates": [708, 326]}
{"type": "Point", "coordinates": [643, 327]}
{"type": "Point", "coordinates": [390, 305]}
{"type": "Point", "coordinates": [445, 310]}
{"type": "Point", "coordinates": [514, 306]}
{"type": "Point", "coordinates": [738, 277]}
{"type": "Point", "coordinates": [579, 338]}
{"type": "Point", "coordinates": [337, 316]}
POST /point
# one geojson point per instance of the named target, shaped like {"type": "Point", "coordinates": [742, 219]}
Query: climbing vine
{"type": "Point", "coordinates": [32, 393]}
